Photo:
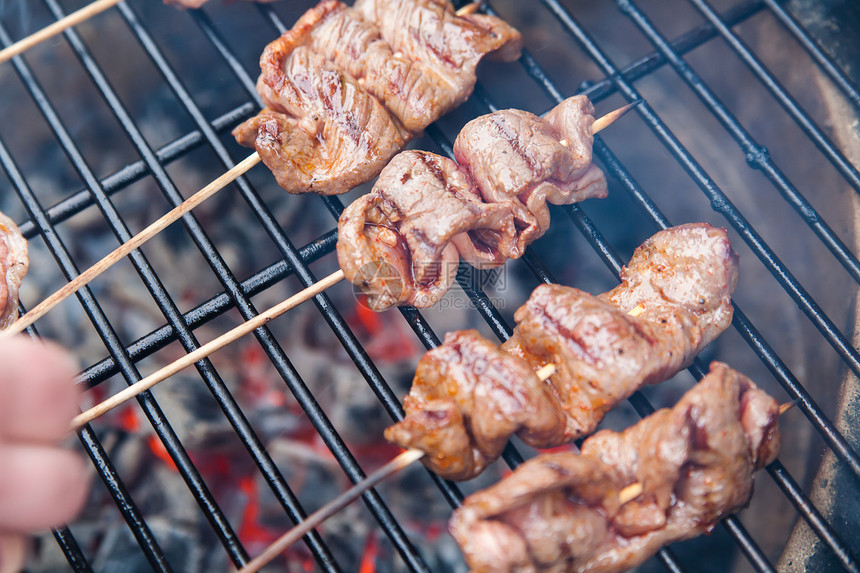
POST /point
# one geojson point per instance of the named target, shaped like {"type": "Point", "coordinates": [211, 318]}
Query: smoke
{"type": "Point", "coordinates": [15, 10]}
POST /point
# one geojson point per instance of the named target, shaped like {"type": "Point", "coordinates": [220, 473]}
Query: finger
{"type": "Point", "coordinates": [38, 397]}
{"type": "Point", "coordinates": [40, 487]}
{"type": "Point", "coordinates": [13, 552]}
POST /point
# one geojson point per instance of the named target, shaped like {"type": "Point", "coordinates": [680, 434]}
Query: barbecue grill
{"type": "Point", "coordinates": [748, 119]}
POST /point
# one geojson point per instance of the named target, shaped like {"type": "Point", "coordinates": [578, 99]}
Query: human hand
{"type": "Point", "coordinates": [41, 484]}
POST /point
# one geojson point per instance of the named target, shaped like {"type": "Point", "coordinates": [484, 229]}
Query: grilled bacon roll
{"type": "Point", "coordinates": [426, 211]}
{"type": "Point", "coordinates": [561, 512]}
{"type": "Point", "coordinates": [346, 88]}
{"type": "Point", "coordinates": [13, 266]}
{"type": "Point", "coordinates": [680, 282]}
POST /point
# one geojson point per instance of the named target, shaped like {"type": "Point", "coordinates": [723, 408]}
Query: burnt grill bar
{"type": "Point", "coordinates": [276, 354]}
{"type": "Point", "coordinates": [756, 154]}
{"type": "Point", "coordinates": [719, 201]}
{"type": "Point", "coordinates": [722, 205]}
{"type": "Point", "coordinates": [153, 552]}
{"type": "Point", "coordinates": [235, 294]}
{"type": "Point", "coordinates": [814, 50]}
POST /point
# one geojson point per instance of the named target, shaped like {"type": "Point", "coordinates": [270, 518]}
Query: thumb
{"type": "Point", "coordinates": [13, 552]}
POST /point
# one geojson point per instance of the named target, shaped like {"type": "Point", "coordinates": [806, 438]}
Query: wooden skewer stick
{"type": "Point", "coordinates": [470, 8]}
{"type": "Point", "coordinates": [166, 220]}
{"type": "Point", "coordinates": [240, 168]}
{"type": "Point", "coordinates": [403, 460]}
{"type": "Point", "coordinates": [630, 492]}
{"type": "Point", "coordinates": [783, 408]}
{"type": "Point", "coordinates": [57, 27]}
{"type": "Point", "coordinates": [400, 462]}
{"type": "Point", "coordinates": [205, 350]}
{"type": "Point", "coordinates": [605, 121]}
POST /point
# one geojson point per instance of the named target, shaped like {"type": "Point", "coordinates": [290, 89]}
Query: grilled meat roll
{"type": "Point", "coordinates": [426, 211]}
{"type": "Point", "coordinates": [561, 512]}
{"type": "Point", "coordinates": [346, 88]}
{"type": "Point", "coordinates": [680, 280]}
{"type": "Point", "coordinates": [13, 267]}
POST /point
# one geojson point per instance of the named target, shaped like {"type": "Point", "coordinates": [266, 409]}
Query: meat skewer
{"type": "Point", "coordinates": [120, 252]}
{"type": "Point", "coordinates": [402, 461]}
{"type": "Point", "coordinates": [315, 37]}
{"type": "Point", "coordinates": [205, 350]}
{"type": "Point", "coordinates": [401, 243]}
{"type": "Point", "coordinates": [469, 396]}
{"type": "Point", "coordinates": [562, 512]}
{"type": "Point", "coordinates": [13, 266]}
{"type": "Point", "coordinates": [346, 88]}
{"type": "Point", "coordinates": [731, 400]}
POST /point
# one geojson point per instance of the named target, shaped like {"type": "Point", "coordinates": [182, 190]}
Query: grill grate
{"type": "Point", "coordinates": [236, 295]}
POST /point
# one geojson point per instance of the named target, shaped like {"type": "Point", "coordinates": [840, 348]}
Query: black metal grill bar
{"type": "Point", "coordinates": [597, 90]}
{"type": "Point", "coordinates": [107, 472]}
{"type": "Point", "coordinates": [332, 317]}
{"type": "Point", "coordinates": [815, 520]}
{"type": "Point", "coordinates": [719, 201]}
{"type": "Point", "coordinates": [639, 69]}
{"type": "Point", "coordinates": [348, 463]}
{"type": "Point", "coordinates": [212, 308]}
{"type": "Point", "coordinates": [71, 549]}
{"type": "Point", "coordinates": [836, 157]}
{"type": "Point", "coordinates": [756, 154]}
{"type": "Point", "coordinates": [756, 342]}
{"type": "Point", "coordinates": [812, 48]}
{"type": "Point", "coordinates": [794, 494]}
{"type": "Point", "coordinates": [136, 171]}
{"type": "Point", "coordinates": [168, 308]}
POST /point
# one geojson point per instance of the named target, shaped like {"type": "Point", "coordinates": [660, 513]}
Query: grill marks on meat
{"type": "Point", "coordinates": [602, 354]}
{"type": "Point", "coordinates": [396, 241]}
{"type": "Point", "coordinates": [561, 512]}
{"type": "Point", "coordinates": [486, 209]}
{"type": "Point", "coordinates": [346, 88]}
{"type": "Point", "coordinates": [518, 158]}
{"type": "Point", "coordinates": [13, 267]}
{"type": "Point", "coordinates": [468, 383]}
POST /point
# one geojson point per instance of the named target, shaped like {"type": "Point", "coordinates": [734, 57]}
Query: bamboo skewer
{"type": "Point", "coordinates": [627, 494]}
{"type": "Point", "coordinates": [57, 27]}
{"type": "Point", "coordinates": [166, 220]}
{"type": "Point", "coordinates": [98, 7]}
{"type": "Point", "coordinates": [402, 461]}
{"type": "Point", "coordinates": [205, 350]}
